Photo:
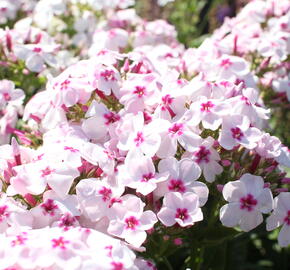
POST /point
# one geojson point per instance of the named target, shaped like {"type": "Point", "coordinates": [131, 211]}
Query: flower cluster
{"type": "Point", "coordinates": [134, 134]}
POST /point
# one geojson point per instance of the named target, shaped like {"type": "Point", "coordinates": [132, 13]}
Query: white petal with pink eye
{"type": "Point", "coordinates": [181, 208]}
{"type": "Point", "coordinates": [248, 199]}
{"type": "Point", "coordinates": [127, 222]}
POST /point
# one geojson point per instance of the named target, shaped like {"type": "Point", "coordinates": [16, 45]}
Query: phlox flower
{"type": "Point", "coordinates": [130, 222]}
{"type": "Point", "coordinates": [281, 217]}
{"type": "Point", "coordinates": [10, 95]}
{"type": "Point", "coordinates": [36, 55]}
{"type": "Point", "coordinates": [182, 178]}
{"type": "Point", "coordinates": [133, 133]}
{"type": "Point", "coordinates": [208, 111]}
{"type": "Point", "coordinates": [97, 197]}
{"type": "Point", "coordinates": [139, 173]}
{"type": "Point", "coordinates": [248, 199]}
{"type": "Point", "coordinates": [180, 208]}
{"type": "Point", "coordinates": [207, 158]}
{"type": "Point", "coordinates": [236, 130]}
{"type": "Point", "coordinates": [179, 131]}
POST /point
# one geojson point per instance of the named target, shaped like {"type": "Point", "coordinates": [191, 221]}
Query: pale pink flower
{"type": "Point", "coordinates": [182, 178]}
{"type": "Point", "coordinates": [139, 91]}
{"type": "Point", "coordinates": [98, 121]}
{"type": "Point", "coordinates": [281, 217]}
{"type": "Point", "coordinates": [208, 111]}
{"type": "Point", "coordinates": [36, 55]}
{"type": "Point", "coordinates": [269, 146]}
{"type": "Point", "coordinates": [97, 197]}
{"type": "Point", "coordinates": [180, 208]}
{"type": "Point", "coordinates": [139, 173]}
{"type": "Point", "coordinates": [177, 132]}
{"type": "Point", "coordinates": [8, 94]}
{"type": "Point", "coordinates": [134, 133]}
{"type": "Point", "coordinates": [207, 158]}
{"type": "Point", "coordinates": [130, 222]}
{"type": "Point", "coordinates": [236, 130]}
{"type": "Point", "coordinates": [248, 199]}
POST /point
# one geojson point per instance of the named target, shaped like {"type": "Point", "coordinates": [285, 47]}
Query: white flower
{"type": "Point", "coordinates": [247, 199]}
{"type": "Point", "coordinates": [281, 217]}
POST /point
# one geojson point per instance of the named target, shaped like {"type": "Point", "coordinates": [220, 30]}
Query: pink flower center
{"type": "Point", "coordinates": [181, 213]}
{"type": "Point", "coordinates": [60, 242]}
{"type": "Point", "coordinates": [131, 223]}
{"type": "Point", "coordinates": [168, 55]}
{"type": "Point", "coordinates": [139, 138]}
{"type": "Point", "coordinates": [167, 100]}
{"type": "Point", "coordinates": [117, 266]}
{"type": "Point", "coordinates": [64, 85]}
{"type": "Point", "coordinates": [176, 129]}
{"type": "Point", "coordinates": [18, 241]}
{"type": "Point", "coordinates": [246, 100]}
{"type": "Point", "coordinates": [147, 177]}
{"type": "Point", "coordinates": [237, 133]}
{"type": "Point", "coordinates": [226, 63]}
{"type": "Point", "coordinates": [46, 171]}
{"type": "Point", "coordinates": [49, 206]}
{"type": "Point", "coordinates": [140, 91]}
{"type": "Point", "coordinates": [111, 118]}
{"type": "Point", "coordinates": [287, 218]}
{"type": "Point", "coordinates": [108, 75]}
{"type": "Point", "coordinates": [67, 220]}
{"type": "Point", "coordinates": [202, 155]}
{"type": "Point", "coordinates": [176, 185]}
{"type": "Point", "coordinates": [205, 107]}
{"type": "Point", "coordinates": [248, 202]}
{"type": "Point", "coordinates": [7, 96]}
{"type": "Point", "coordinates": [3, 212]}
{"type": "Point", "coordinates": [106, 193]}
{"type": "Point", "coordinates": [37, 50]}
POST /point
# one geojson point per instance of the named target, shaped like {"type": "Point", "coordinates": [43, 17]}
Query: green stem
{"type": "Point", "coordinates": [165, 260]}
